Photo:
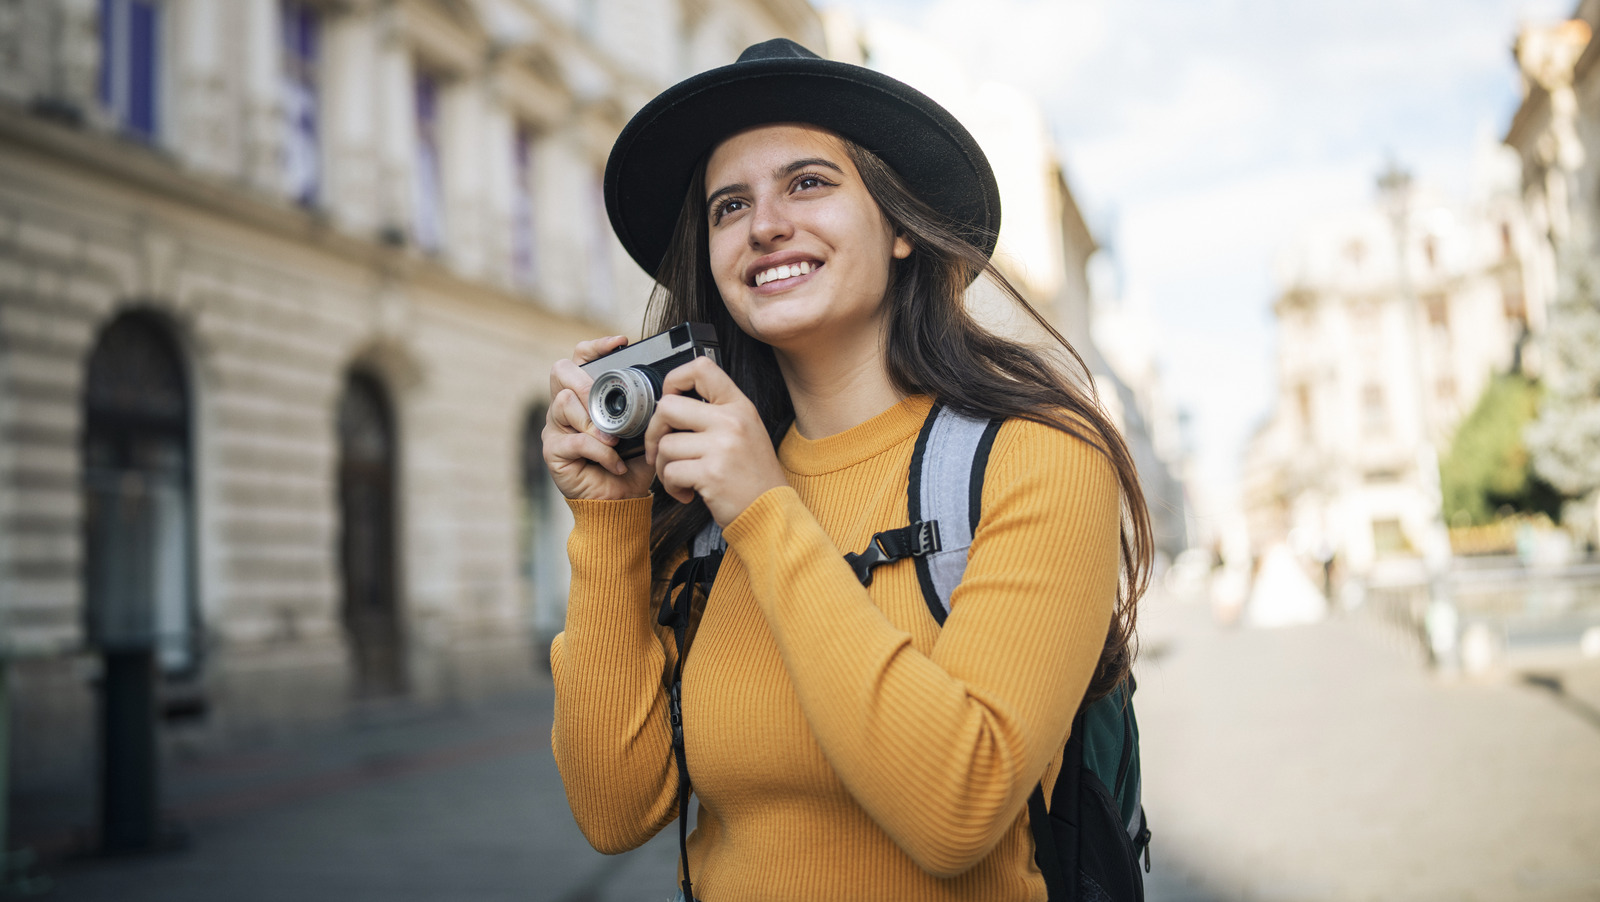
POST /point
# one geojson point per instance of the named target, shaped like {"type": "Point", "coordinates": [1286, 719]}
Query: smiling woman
{"type": "Point", "coordinates": [854, 733]}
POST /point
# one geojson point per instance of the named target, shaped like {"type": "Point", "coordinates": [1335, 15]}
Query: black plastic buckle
{"type": "Point", "coordinates": [675, 712]}
{"type": "Point", "coordinates": [916, 540]}
{"type": "Point", "coordinates": [863, 563]}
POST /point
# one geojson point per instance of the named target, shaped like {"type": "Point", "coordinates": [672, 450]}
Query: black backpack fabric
{"type": "Point", "coordinates": [1088, 839]}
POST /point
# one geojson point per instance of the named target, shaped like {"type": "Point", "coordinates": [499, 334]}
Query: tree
{"type": "Point", "coordinates": [1565, 439]}
{"type": "Point", "coordinates": [1488, 466]}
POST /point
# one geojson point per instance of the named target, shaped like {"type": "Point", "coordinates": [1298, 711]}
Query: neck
{"type": "Point", "coordinates": [835, 388]}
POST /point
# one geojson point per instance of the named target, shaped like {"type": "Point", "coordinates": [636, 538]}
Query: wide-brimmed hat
{"type": "Point", "coordinates": [780, 81]}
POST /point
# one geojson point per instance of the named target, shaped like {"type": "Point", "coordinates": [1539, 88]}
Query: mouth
{"type": "Point", "coordinates": [778, 276]}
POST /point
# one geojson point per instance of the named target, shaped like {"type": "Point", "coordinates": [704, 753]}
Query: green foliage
{"type": "Point", "coordinates": [1488, 467]}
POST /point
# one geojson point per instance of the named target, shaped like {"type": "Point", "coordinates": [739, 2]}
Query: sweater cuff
{"type": "Point", "coordinates": [609, 549]}
{"type": "Point", "coordinates": [611, 521]}
{"type": "Point", "coordinates": [770, 507]}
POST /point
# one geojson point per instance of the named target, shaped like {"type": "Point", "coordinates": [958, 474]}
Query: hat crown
{"type": "Point", "coordinates": [776, 49]}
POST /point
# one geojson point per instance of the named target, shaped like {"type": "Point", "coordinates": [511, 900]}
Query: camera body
{"type": "Point", "coordinates": [627, 382]}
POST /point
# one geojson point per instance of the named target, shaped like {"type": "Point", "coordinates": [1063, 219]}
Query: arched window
{"type": "Point", "coordinates": [136, 485]}
{"type": "Point", "coordinates": [369, 602]}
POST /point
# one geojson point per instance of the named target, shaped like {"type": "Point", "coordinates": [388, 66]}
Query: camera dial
{"type": "Point", "coordinates": [621, 401]}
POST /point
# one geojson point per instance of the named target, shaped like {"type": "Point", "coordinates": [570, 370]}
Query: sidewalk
{"type": "Point", "coordinates": [426, 807]}
{"type": "Point", "coordinates": [1314, 763]}
{"type": "Point", "coordinates": [1325, 762]}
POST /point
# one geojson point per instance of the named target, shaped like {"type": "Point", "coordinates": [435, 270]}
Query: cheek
{"type": "Point", "coordinates": [724, 262]}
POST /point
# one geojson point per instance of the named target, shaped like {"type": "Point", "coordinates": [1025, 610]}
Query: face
{"type": "Point", "coordinates": [800, 251]}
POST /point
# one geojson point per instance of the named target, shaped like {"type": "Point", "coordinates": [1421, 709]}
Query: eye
{"type": "Point", "coordinates": [810, 181]}
{"type": "Point", "coordinates": [723, 206]}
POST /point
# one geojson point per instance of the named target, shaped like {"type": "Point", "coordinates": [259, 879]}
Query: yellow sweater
{"type": "Point", "coordinates": [842, 745]}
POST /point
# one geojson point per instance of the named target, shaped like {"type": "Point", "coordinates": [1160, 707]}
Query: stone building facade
{"type": "Point", "coordinates": [1390, 323]}
{"type": "Point", "coordinates": [280, 285]}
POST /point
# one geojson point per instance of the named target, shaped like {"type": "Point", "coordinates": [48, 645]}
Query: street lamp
{"type": "Point", "coordinates": [1441, 621]}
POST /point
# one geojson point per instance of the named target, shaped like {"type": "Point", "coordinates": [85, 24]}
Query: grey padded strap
{"type": "Point", "coordinates": [709, 539]}
{"type": "Point", "coordinates": [947, 495]}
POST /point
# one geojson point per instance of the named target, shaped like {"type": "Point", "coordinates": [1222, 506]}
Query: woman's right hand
{"type": "Point", "coordinates": [583, 461]}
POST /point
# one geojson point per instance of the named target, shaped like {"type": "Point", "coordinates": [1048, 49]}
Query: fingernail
{"type": "Point", "coordinates": [622, 469]}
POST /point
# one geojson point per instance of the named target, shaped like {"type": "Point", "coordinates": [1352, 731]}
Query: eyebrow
{"type": "Point", "coordinates": [780, 172]}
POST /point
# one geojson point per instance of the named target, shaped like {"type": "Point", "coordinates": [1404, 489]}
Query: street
{"type": "Point", "coordinates": [1309, 763]}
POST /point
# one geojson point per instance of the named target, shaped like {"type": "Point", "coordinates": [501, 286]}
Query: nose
{"type": "Point", "coordinates": [769, 224]}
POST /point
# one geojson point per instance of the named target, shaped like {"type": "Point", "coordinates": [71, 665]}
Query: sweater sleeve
{"type": "Point", "coordinates": [611, 737]}
{"type": "Point", "coordinates": [943, 750]}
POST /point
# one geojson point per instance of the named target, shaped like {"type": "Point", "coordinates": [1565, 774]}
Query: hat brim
{"type": "Point", "coordinates": [653, 159]}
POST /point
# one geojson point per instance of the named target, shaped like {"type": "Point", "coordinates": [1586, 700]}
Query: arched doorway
{"type": "Point", "coordinates": [369, 604]}
{"type": "Point", "coordinates": [140, 612]}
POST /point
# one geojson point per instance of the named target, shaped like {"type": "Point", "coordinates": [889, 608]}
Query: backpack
{"type": "Point", "coordinates": [1088, 840]}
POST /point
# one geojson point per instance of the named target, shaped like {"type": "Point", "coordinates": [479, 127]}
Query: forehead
{"type": "Point", "coordinates": [764, 149]}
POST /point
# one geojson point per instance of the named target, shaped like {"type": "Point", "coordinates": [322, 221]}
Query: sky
{"type": "Point", "coordinates": [1201, 136]}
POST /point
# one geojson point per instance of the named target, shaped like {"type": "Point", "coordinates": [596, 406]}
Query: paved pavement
{"type": "Point", "coordinates": [1314, 763]}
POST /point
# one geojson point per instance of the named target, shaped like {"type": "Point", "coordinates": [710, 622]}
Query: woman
{"type": "Point", "coordinates": [843, 745]}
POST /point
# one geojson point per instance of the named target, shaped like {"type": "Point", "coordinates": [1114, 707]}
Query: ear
{"type": "Point", "coordinates": [902, 247]}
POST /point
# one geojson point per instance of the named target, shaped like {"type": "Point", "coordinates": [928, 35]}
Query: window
{"type": "Point", "coordinates": [426, 185]}
{"type": "Point", "coordinates": [130, 50]}
{"type": "Point", "coordinates": [524, 261]}
{"type": "Point", "coordinates": [302, 164]}
{"type": "Point", "coordinates": [1438, 308]}
{"type": "Point", "coordinates": [1512, 304]}
{"type": "Point", "coordinates": [1389, 538]}
{"type": "Point", "coordinates": [1374, 410]}
{"type": "Point", "coordinates": [1302, 397]}
{"type": "Point", "coordinates": [136, 490]}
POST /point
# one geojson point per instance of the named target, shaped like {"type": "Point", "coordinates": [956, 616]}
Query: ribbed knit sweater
{"type": "Point", "coordinates": [842, 745]}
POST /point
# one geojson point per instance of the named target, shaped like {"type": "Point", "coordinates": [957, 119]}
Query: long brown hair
{"type": "Point", "coordinates": [933, 347]}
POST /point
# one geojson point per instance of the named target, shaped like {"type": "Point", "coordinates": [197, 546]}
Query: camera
{"type": "Point", "coordinates": [627, 381]}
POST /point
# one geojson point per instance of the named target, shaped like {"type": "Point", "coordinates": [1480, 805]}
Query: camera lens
{"type": "Point", "coordinates": [621, 402]}
{"type": "Point", "coordinates": [616, 403]}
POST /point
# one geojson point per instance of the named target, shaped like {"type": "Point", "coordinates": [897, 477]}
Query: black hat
{"type": "Point", "coordinates": [781, 81]}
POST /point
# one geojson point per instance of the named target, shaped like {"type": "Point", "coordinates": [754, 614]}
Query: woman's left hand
{"type": "Point", "coordinates": [715, 446]}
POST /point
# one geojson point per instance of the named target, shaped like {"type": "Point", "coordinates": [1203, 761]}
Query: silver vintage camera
{"type": "Point", "coordinates": [627, 382]}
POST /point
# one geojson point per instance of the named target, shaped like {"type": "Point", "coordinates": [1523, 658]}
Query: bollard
{"type": "Point", "coordinates": [129, 800]}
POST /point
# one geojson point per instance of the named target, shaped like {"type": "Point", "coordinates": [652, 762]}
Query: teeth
{"type": "Point", "coordinates": [787, 271]}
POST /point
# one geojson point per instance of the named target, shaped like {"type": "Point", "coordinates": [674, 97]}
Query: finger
{"type": "Point", "coordinates": [677, 479]}
{"type": "Point", "coordinates": [568, 413]}
{"type": "Point", "coordinates": [703, 377]}
{"type": "Point", "coordinates": [597, 348]}
{"type": "Point", "coordinates": [566, 449]}
{"type": "Point", "coordinates": [679, 413]}
{"type": "Point", "coordinates": [566, 374]}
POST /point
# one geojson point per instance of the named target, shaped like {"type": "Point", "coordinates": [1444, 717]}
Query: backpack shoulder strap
{"type": "Point", "coordinates": [708, 540]}
{"type": "Point", "coordinates": [946, 486]}
{"type": "Point", "coordinates": [696, 572]}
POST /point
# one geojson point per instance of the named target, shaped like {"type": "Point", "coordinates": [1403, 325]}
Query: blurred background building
{"type": "Point", "coordinates": [280, 285]}
{"type": "Point", "coordinates": [1047, 251]}
{"type": "Point", "coordinates": [1437, 419]}
{"type": "Point", "coordinates": [1390, 326]}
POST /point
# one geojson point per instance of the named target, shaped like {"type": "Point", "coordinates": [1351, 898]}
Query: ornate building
{"type": "Point", "coordinates": [280, 285]}
{"type": "Point", "coordinates": [1390, 323]}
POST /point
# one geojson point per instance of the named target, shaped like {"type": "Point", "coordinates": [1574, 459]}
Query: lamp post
{"type": "Point", "coordinates": [1441, 621]}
